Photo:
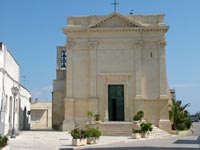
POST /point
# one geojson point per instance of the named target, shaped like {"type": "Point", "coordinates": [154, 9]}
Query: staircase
{"type": "Point", "coordinates": [114, 128]}
{"type": "Point", "coordinates": [157, 132]}
{"type": "Point", "coordinates": [125, 129]}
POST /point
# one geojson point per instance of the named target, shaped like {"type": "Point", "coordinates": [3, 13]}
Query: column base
{"type": "Point", "coordinates": [68, 125]}
{"type": "Point", "coordinates": [164, 97]}
{"type": "Point", "coordinates": [137, 97]}
{"type": "Point", "coordinates": [165, 125]}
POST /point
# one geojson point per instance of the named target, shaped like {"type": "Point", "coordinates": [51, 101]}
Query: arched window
{"type": "Point", "coordinates": [63, 59]}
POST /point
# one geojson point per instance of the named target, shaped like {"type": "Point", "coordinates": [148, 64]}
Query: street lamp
{"type": "Point", "coordinates": [14, 91]}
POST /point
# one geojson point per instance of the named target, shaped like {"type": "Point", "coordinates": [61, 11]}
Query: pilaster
{"type": "Point", "coordinates": [68, 123]}
{"type": "Point", "coordinates": [93, 46]}
{"type": "Point", "coordinates": [69, 74]}
{"type": "Point", "coordinates": [138, 69]}
{"type": "Point", "coordinates": [163, 80]}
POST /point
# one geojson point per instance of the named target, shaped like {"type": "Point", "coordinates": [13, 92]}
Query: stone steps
{"type": "Point", "coordinates": [157, 132]}
{"type": "Point", "coordinates": [114, 128]}
{"type": "Point", "coordinates": [125, 129]}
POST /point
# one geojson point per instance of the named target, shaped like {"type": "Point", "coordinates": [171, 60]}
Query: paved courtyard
{"type": "Point", "coordinates": [52, 140]}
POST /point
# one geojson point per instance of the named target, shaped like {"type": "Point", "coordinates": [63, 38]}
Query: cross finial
{"type": "Point", "coordinates": [115, 5]}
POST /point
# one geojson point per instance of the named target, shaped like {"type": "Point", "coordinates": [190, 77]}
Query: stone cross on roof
{"type": "Point", "coordinates": [115, 5]}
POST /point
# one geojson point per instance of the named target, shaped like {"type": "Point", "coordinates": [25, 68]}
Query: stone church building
{"type": "Point", "coordinates": [112, 65]}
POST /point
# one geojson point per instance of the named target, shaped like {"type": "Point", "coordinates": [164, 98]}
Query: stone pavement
{"type": "Point", "coordinates": [52, 140]}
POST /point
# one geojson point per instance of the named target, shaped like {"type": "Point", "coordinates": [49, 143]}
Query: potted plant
{"type": "Point", "coordinates": [136, 134]}
{"type": "Point", "coordinates": [93, 135]}
{"type": "Point", "coordinates": [138, 117]}
{"type": "Point", "coordinates": [90, 116]}
{"type": "Point", "coordinates": [3, 141]}
{"type": "Point", "coordinates": [145, 129]}
{"type": "Point", "coordinates": [79, 137]}
{"type": "Point", "coordinates": [97, 118]}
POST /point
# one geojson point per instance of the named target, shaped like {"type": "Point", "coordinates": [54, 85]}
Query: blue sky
{"type": "Point", "coordinates": [31, 30]}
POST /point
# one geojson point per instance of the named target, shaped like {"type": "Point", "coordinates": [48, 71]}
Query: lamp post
{"type": "Point", "coordinates": [14, 91]}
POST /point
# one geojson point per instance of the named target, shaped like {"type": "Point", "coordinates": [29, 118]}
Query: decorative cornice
{"type": "Point", "coordinates": [126, 29]}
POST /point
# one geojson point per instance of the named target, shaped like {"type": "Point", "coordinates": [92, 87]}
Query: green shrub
{"type": "Point", "coordinates": [188, 123]}
{"type": "Point", "coordinates": [138, 116]}
{"type": "Point", "coordinates": [93, 132]}
{"type": "Point", "coordinates": [90, 114]}
{"type": "Point", "coordinates": [3, 141]}
{"type": "Point", "coordinates": [78, 133]}
{"type": "Point", "coordinates": [145, 127]}
{"type": "Point", "coordinates": [179, 116]}
{"type": "Point", "coordinates": [97, 117]}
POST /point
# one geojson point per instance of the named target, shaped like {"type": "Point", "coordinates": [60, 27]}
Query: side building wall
{"type": "Point", "coordinates": [9, 70]}
{"type": "Point", "coordinates": [41, 115]}
{"type": "Point", "coordinates": [24, 109]}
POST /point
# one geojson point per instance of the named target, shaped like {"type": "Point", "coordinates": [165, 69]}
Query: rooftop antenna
{"type": "Point", "coordinates": [115, 5]}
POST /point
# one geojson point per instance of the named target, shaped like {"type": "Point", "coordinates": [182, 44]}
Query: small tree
{"type": "Point", "coordinates": [179, 116]}
{"type": "Point", "coordinates": [138, 116]}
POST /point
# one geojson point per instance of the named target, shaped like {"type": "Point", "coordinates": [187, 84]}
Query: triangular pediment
{"type": "Point", "coordinates": [115, 20]}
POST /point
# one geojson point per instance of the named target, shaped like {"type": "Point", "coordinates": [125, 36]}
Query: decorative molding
{"type": "Point", "coordinates": [70, 45]}
{"type": "Point", "coordinates": [139, 43]}
{"type": "Point", "coordinates": [116, 29]}
{"type": "Point", "coordinates": [119, 16]}
{"type": "Point", "coordinates": [115, 74]}
{"type": "Point", "coordinates": [162, 43]}
{"type": "Point", "coordinates": [93, 44]}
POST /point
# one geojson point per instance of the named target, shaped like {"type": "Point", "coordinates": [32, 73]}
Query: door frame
{"type": "Point", "coordinates": [114, 79]}
{"type": "Point", "coordinates": [122, 86]}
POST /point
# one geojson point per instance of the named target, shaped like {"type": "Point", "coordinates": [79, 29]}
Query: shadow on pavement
{"type": "Point", "coordinates": [197, 141]}
{"type": "Point", "coordinates": [133, 148]}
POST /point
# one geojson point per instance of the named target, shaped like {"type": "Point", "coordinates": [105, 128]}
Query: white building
{"type": "Point", "coordinates": [24, 109]}
{"type": "Point", "coordinates": [10, 77]}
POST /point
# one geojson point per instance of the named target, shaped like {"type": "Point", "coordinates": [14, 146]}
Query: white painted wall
{"type": "Point", "coordinates": [24, 108]}
{"type": "Point", "coordinates": [9, 77]}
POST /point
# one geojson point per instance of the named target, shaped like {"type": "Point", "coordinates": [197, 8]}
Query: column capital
{"type": "Point", "coordinates": [139, 43]}
{"type": "Point", "coordinates": [161, 43]}
{"type": "Point", "coordinates": [93, 44]}
{"type": "Point", "coordinates": [70, 45]}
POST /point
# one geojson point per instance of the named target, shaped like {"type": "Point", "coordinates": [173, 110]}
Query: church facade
{"type": "Point", "coordinates": [112, 65]}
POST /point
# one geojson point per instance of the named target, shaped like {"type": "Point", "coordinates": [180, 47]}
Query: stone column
{"type": "Point", "coordinates": [68, 123]}
{"type": "Point", "coordinates": [138, 69]}
{"type": "Point", "coordinates": [93, 46]}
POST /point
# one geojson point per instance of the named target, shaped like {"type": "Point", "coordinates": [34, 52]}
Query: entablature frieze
{"type": "Point", "coordinates": [127, 29]}
{"type": "Point", "coordinates": [115, 77]}
{"type": "Point", "coordinates": [142, 43]}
